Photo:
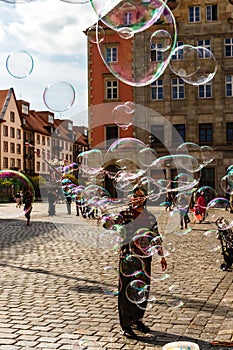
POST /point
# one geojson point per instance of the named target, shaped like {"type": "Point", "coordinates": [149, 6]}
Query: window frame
{"type": "Point", "coordinates": [205, 128]}
{"type": "Point", "coordinates": [111, 56]}
{"type": "Point", "coordinates": [114, 90]}
{"type": "Point", "coordinates": [157, 90]}
{"type": "Point", "coordinates": [196, 16]}
{"type": "Point", "coordinates": [205, 92]}
{"type": "Point", "coordinates": [178, 87]}
{"type": "Point", "coordinates": [212, 13]}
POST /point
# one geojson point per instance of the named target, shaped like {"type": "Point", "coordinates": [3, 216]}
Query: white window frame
{"type": "Point", "coordinates": [229, 84]}
{"type": "Point", "coordinates": [158, 53]}
{"type": "Point", "coordinates": [209, 13]}
{"type": "Point", "coordinates": [157, 90]}
{"type": "Point", "coordinates": [177, 83]}
{"type": "Point", "coordinates": [229, 45]}
{"type": "Point", "coordinates": [204, 43]}
{"type": "Point", "coordinates": [196, 16]}
{"type": "Point", "coordinates": [205, 90]}
{"type": "Point", "coordinates": [175, 56]}
{"type": "Point", "coordinates": [111, 54]}
{"type": "Point", "coordinates": [112, 86]}
{"type": "Point", "coordinates": [128, 18]}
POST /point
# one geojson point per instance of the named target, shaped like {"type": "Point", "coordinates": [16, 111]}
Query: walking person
{"type": "Point", "coordinates": [27, 201]}
{"type": "Point", "coordinates": [183, 202]}
{"type": "Point", "coordinates": [134, 218]}
{"type": "Point", "coordinates": [18, 200]}
{"type": "Point", "coordinates": [200, 207]}
{"type": "Point", "coordinates": [52, 199]}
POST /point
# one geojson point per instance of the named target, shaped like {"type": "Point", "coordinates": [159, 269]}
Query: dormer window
{"type": "Point", "coordinates": [50, 118]}
{"type": "Point", "coordinates": [70, 126]}
{"type": "Point", "coordinates": [25, 109]}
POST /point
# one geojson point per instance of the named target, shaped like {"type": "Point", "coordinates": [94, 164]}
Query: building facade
{"type": "Point", "coordinates": [200, 114]}
{"type": "Point", "coordinates": [31, 141]}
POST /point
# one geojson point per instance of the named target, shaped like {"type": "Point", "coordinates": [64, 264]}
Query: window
{"type": "Point", "coordinates": [5, 146]}
{"type": "Point", "coordinates": [207, 178]}
{"type": "Point", "coordinates": [179, 54]}
{"type": "Point", "coordinates": [12, 117]}
{"type": "Point", "coordinates": [205, 91]}
{"type": "Point", "coordinates": [43, 140]}
{"type": "Point", "coordinates": [157, 135]}
{"type": "Point", "coordinates": [177, 88]}
{"type": "Point", "coordinates": [111, 54]}
{"type": "Point", "coordinates": [206, 132]}
{"type": "Point", "coordinates": [180, 129]}
{"type": "Point", "coordinates": [156, 54]}
{"type": "Point", "coordinates": [43, 167]}
{"type": "Point", "coordinates": [12, 162]}
{"type": "Point", "coordinates": [5, 162]}
{"type": "Point", "coordinates": [18, 134]}
{"type": "Point", "coordinates": [48, 141]}
{"type": "Point", "coordinates": [111, 132]}
{"type": "Point", "coordinates": [228, 47]}
{"type": "Point", "coordinates": [211, 13]}
{"type": "Point", "coordinates": [50, 118]}
{"type": "Point", "coordinates": [37, 166]}
{"type": "Point", "coordinates": [157, 90]}
{"type": "Point", "coordinates": [5, 130]}
{"type": "Point", "coordinates": [19, 163]}
{"type": "Point", "coordinates": [12, 133]}
{"type": "Point", "coordinates": [18, 149]}
{"type": "Point", "coordinates": [204, 53]}
{"type": "Point", "coordinates": [111, 89]}
{"type": "Point", "coordinates": [194, 14]}
{"type": "Point", "coordinates": [127, 18]}
{"type": "Point", "coordinates": [229, 128]}
{"type": "Point", "coordinates": [229, 85]}
{"type": "Point", "coordinates": [12, 147]}
{"type": "Point", "coordinates": [70, 126]}
{"type": "Point", "coordinates": [38, 139]}
{"type": "Point", "coordinates": [25, 109]}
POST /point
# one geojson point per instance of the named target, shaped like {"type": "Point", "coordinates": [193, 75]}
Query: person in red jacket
{"type": "Point", "coordinates": [200, 206]}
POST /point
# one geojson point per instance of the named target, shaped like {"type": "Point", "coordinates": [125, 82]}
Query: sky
{"type": "Point", "coordinates": [47, 36]}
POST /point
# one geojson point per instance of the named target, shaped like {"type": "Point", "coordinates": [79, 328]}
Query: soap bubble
{"type": "Point", "coordinates": [20, 64]}
{"type": "Point", "coordinates": [144, 70]}
{"type": "Point", "coordinates": [195, 65]}
{"type": "Point", "coordinates": [161, 39]}
{"type": "Point", "coordinates": [91, 34]}
{"type": "Point", "coordinates": [112, 14]}
{"type": "Point", "coordinates": [59, 96]}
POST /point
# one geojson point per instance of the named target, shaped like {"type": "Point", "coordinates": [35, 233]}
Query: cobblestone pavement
{"type": "Point", "coordinates": [59, 277]}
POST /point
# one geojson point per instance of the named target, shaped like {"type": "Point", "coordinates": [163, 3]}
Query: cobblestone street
{"type": "Point", "coordinates": [58, 286]}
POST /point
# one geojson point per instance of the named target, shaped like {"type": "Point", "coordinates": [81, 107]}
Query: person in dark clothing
{"type": "Point", "coordinates": [68, 204]}
{"type": "Point", "coordinates": [134, 218]}
{"type": "Point", "coordinates": [27, 201]}
{"type": "Point", "coordinates": [52, 198]}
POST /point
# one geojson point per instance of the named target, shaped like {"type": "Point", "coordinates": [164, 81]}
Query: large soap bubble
{"type": "Point", "coordinates": [131, 66]}
{"type": "Point", "coordinates": [134, 16]}
{"type": "Point", "coordinates": [195, 65]}
{"type": "Point", "coordinates": [59, 96]}
{"type": "Point", "coordinates": [19, 64]}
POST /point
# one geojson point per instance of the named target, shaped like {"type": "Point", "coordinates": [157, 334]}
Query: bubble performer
{"type": "Point", "coordinates": [27, 201]}
{"type": "Point", "coordinates": [140, 246]}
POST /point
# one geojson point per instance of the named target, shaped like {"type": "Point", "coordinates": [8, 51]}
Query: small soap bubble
{"type": "Point", "coordinates": [20, 64]}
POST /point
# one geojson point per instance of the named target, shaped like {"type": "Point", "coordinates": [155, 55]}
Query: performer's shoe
{"type": "Point", "coordinates": [129, 333]}
{"type": "Point", "coordinates": [142, 327]}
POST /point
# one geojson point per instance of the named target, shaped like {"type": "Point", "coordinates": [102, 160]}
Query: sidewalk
{"type": "Point", "coordinates": [58, 283]}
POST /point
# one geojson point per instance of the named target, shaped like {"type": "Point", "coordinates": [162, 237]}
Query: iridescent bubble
{"type": "Point", "coordinates": [207, 154]}
{"type": "Point", "coordinates": [20, 64]}
{"type": "Point", "coordinates": [59, 96]}
{"type": "Point", "coordinates": [147, 156]}
{"type": "Point", "coordinates": [125, 32]}
{"type": "Point", "coordinates": [122, 116]}
{"type": "Point", "coordinates": [92, 32]}
{"type": "Point", "coordinates": [131, 265]}
{"type": "Point", "coordinates": [91, 161]}
{"type": "Point", "coordinates": [75, 1]}
{"type": "Point", "coordinates": [226, 183]}
{"type": "Point", "coordinates": [194, 150]}
{"type": "Point", "coordinates": [142, 16]}
{"type": "Point", "coordinates": [195, 65]}
{"type": "Point", "coordinates": [208, 192]}
{"type": "Point", "coordinates": [216, 210]}
{"type": "Point", "coordinates": [110, 275]}
{"type": "Point", "coordinates": [173, 296]}
{"type": "Point", "coordinates": [161, 39]}
{"type": "Point", "coordinates": [143, 71]}
{"type": "Point", "coordinates": [11, 183]}
{"type": "Point", "coordinates": [137, 291]}
{"type": "Point", "coordinates": [17, 1]}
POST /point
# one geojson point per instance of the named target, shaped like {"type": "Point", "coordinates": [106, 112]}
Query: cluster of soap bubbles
{"type": "Point", "coordinates": [11, 182]}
